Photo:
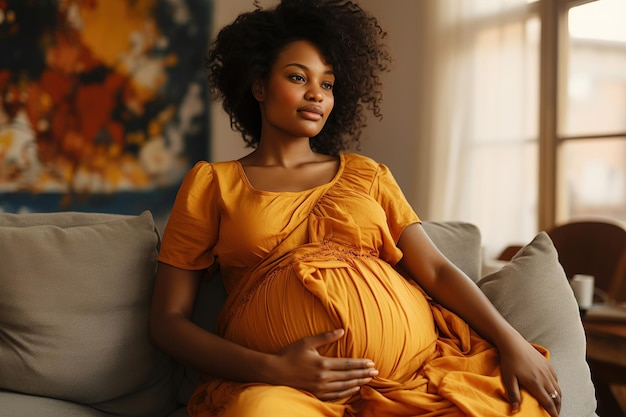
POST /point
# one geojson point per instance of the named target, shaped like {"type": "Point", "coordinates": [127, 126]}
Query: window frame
{"type": "Point", "coordinates": [553, 78]}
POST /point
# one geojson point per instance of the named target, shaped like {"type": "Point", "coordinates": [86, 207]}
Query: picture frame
{"type": "Point", "coordinates": [103, 104]}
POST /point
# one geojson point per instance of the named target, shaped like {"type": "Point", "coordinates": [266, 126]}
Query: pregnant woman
{"type": "Point", "coordinates": [338, 302]}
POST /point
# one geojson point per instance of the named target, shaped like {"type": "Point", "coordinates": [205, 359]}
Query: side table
{"type": "Point", "coordinates": [606, 354]}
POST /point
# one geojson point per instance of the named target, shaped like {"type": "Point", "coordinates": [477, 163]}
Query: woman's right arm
{"type": "Point", "coordinates": [298, 365]}
{"type": "Point", "coordinates": [172, 330]}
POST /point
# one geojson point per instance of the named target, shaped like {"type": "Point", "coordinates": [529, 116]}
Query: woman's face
{"type": "Point", "coordinates": [297, 97]}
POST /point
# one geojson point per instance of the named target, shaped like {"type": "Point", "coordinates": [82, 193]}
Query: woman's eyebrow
{"type": "Point", "coordinates": [304, 67]}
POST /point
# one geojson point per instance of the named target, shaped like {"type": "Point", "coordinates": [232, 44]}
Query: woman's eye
{"type": "Point", "coordinates": [297, 77]}
{"type": "Point", "coordinates": [327, 86]}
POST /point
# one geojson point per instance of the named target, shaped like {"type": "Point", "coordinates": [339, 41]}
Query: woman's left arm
{"type": "Point", "coordinates": [521, 363]}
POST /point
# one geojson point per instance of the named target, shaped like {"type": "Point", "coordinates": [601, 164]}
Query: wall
{"type": "Point", "coordinates": [394, 139]}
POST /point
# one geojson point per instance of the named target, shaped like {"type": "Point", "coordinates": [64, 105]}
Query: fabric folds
{"type": "Point", "coordinates": [296, 264]}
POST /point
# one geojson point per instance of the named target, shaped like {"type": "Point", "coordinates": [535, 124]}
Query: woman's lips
{"type": "Point", "coordinates": [311, 113]}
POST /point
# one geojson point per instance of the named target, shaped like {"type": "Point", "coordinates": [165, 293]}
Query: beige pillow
{"type": "Point", "coordinates": [75, 292]}
{"type": "Point", "coordinates": [533, 294]}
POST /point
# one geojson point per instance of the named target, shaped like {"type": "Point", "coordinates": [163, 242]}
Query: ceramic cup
{"type": "Point", "coordinates": [583, 286]}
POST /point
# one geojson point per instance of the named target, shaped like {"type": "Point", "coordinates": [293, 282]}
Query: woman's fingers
{"type": "Point", "coordinates": [524, 366]}
{"type": "Point", "coordinates": [512, 389]}
{"type": "Point", "coordinates": [325, 377]}
{"type": "Point", "coordinates": [345, 376]}
{"type": "Point", "coordinates": [341, 389]}
{"type": "Point", "coordinates": [350, 368]}
{"type": "Point", "coordinates": [552, 400]}
{"type": "Point", "coordinates": [341, 369]}
{"type": "Point", "coordinates": [322, 339]}
{"type": "Point", "coordinates": [549, 398]}
{"type": "Point", "coordinates": [549, 394]}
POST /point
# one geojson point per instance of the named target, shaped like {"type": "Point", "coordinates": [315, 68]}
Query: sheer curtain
{"type": "Point", "coordinates": [479, 83]}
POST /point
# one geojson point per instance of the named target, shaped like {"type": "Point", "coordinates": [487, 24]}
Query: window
{"type": "Point", "coordinates": [521, 114]}
{"type": "Point", "coordinates": [590, 137]}
{"type": "Point", "coordinates": [542, 126]}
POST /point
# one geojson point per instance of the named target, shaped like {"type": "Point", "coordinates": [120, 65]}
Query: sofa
{"type": "Point", "coordinates": [75, 292]}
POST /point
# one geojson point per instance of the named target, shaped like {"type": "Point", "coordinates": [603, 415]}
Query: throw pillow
{"type": "Point", "coordinates": [533, 294]}
{"type": "Point", "coordinates": [75, 293]}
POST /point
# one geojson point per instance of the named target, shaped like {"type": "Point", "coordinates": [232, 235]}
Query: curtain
{"type": "Point", "coordinates": [478, 116]}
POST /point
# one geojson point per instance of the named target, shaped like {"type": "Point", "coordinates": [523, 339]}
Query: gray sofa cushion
{"type": "Point", "coordinates": [533, 294]}
{"type": "Point", "coordinates": [75, 291]}
{"type": "Point", "coordinates": [460, 242]}
{"type": "Point", "coordinates": [23, 405]}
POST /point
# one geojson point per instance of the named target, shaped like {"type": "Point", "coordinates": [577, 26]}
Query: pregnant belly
{"type": "Point", "coordinates": [386, 318]}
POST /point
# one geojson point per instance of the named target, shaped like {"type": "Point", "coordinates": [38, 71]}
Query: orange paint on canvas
{"type": "Point", "coordinates": [109, 41]}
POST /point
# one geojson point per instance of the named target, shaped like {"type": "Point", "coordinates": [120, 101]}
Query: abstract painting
{"type": "Point", "coordinates": [103, 103]}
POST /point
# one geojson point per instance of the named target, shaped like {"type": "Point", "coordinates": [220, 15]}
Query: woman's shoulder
{"type": "Point", "coordinates": [214, 168]}
{"type": "Point", "coordinates": [360, 170]}
{"type": "Point", "coordinates": [361, 162]}
{"type": "Point", "coordinates": [358, 158]}
{"type": "Point", "coordinates": [208, 174]}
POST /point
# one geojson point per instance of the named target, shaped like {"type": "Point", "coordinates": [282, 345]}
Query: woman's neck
{"type": "Point", "coordinates": [287, 153]}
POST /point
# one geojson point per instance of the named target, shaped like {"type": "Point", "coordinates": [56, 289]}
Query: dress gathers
{"type": "Point", "coordinates": [296, 264]}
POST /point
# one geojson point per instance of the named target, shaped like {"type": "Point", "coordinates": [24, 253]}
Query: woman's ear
{"type": "Point", "coordinates": [258, 89]}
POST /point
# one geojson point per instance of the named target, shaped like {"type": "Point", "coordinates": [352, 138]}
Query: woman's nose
{"type": "Point", "coordinates": [314, 94]}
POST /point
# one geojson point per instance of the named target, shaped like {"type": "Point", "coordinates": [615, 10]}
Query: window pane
{"type": "Point", "coordinates": [592, 179]}
{"type": "Point", "coordinates": [596, 86]}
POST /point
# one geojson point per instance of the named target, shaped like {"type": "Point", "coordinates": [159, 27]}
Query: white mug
{"type": "Point", "coordinates": [583, 286]}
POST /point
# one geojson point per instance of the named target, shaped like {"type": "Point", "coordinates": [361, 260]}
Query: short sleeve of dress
{"type": "Point", "coordinates": [387, 192]}
{"type": "Point", "coordinates": [193, 225]}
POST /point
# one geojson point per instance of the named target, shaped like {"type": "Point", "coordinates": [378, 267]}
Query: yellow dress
{"type": "Point", "coordinates": [296, 264]}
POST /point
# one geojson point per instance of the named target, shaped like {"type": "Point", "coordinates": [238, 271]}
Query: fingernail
{"type": "Point", "coordinates": [514, 408]}
{"type": "Point", "coordinates": [370, 364]}
{"type": "Point", "coordinates": [374, 372]}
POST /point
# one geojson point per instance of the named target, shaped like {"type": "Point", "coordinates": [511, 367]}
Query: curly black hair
{"type": "Point", "coordinates": [350, 39]}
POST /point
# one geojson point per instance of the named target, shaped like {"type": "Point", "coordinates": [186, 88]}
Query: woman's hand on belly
{"type": "Point", "coordinates": [300, 366]}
